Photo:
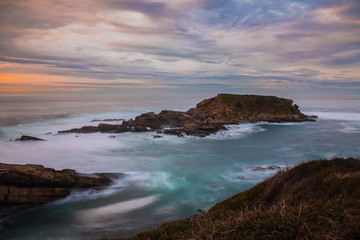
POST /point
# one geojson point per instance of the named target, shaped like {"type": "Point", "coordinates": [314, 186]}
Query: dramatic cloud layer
{"type": "Point", "coordinates": [116, 44]}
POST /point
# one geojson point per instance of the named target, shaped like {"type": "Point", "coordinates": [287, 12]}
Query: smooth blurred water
{"type": "Point", "coordinates": [166, 178]}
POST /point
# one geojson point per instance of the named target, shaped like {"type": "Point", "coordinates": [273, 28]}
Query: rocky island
{"type": "Point", "coordinates": [209, 116]}
{"type": "Point", "coordinates": [32, 183]}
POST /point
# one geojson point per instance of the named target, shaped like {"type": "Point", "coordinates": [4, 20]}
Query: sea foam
{"type": "Point", "coordinates": [341, 116]}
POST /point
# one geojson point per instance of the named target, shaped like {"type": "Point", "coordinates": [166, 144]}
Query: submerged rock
{"type": "Point", "coordinates": [32, 183]}
{"type": "Point", "coordinates": [108, 120]}
{"type": "Point", "coordinates": [29, 138]}
{"type": "Point", "coordinates": [265, 168]}
{"type": "Point", "coordinates": [102, 127]}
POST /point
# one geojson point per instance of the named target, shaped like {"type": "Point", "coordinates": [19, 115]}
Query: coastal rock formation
{"type": "Point", "coordinates": [36, 184]}
{"type": "Point", "coordinates": [234, 109]}
{"type": "Point", "coordinates": [209, 116]}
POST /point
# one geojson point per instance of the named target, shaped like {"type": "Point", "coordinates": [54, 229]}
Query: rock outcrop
{"type": "Point", "coordinates": [36, 184]}
{"type": "Point", "coordinates": [209, 116]}
{"type": "Point", "coordinates": [233, 109]}
{"type": "Point", "coordinates": [29, 138]}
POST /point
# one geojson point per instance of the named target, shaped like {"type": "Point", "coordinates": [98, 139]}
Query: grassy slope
{"type": "Point", "coordinates": [264, 104]}
{"type": "Point", "coordinates": [315, 200]}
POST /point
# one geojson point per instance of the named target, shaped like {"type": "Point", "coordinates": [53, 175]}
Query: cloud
{"type": "Point", "coordinates": [149, 8]}
{"type": "Point", "coordinates": [183, 42]}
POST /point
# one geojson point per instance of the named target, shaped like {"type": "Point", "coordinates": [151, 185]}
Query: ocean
{"type": "Point", "coordinates": [165, 178]}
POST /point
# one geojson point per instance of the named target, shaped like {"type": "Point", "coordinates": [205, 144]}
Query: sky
{"type": "Point", "coordinates": [179, 45]}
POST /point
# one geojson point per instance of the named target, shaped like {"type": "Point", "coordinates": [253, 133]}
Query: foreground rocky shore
{"type": "Point", "coordinates": [209, 116]}
{"type": "Point", "coordinates": [37, 184]}
{"type": "Point", "coordinates": [315, 200]}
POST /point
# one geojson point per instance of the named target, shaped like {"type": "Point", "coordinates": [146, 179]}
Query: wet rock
{"type": "Point", "coordinates": [157, 136]}
{"type": "Point", "coordinates": [29, 138]}
{"type": "Point", "coordinates": [21, 195]}
{"type": "Point", "coordinates": [112, 136]}
{"type": "Point", "coordinates": [173, 131]}
{"type": "Point", "coordinates": [111, 175]}
{"type": "Point", "coordinates": [102, 127]}
{"type": "Point", "coordinates": [265, 168]}
{"type": "Point", "coordinates": [154, 121]}
{"type": "Point", "coordinates": [105, 128]}
{"type": "Point", "coordinates": [108, 120]}
{"type": "Point", "coordinates": [113, 120]}
{"type": "Point", "coordinates": [32, 183]}
{"type": "Point", "coordinates": [85, 129]}
{"type": "Point", "coordinates": [240, 177]}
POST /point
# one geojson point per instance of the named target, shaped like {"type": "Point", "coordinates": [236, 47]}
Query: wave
{"type": "Point", "coordinates": [238, 130]}
{"type": "Point", "coordinates": [94, 217]}
{"type": "Point", "coordinates": [79, 195]}
{"type": "Point", "coordinates": [284, 123]}
{"type": "Point", "coordinates": [252, 173]}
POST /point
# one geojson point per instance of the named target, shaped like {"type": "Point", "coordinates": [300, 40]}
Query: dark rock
{"type": "Point", "coordinates": [157, 136]}
{"type": "Point", "coordinates": [21, 195]}
{"type": "Point", "coordinates": [108, 120]}
{"type": "Point", "coordinates": [112, 136]}
{"type": "Point", "coordinates": [312, 118]}
{"type": "Point", "coordinates": [90, 180]}
{"type": "Point", "coordinates": [173, 131]}
{"type": "Point", "coordinates": [154, 121]}
{"type": "Point", "coordinates": [265, 168]}
{"type": "Point", "coordinates": [85, 129]}
{"type": "Point", "coordinates": [111, 175]}
{"type": "Point", "coordinates": [104, 128]}
{"type": "Point", "coordinates": [49, 133]}
{"type": "Point", "coordinates": [32, 183]}
{"type": "Point", "coordinates": [113, 120]}
{"type": "Point", "coordinates": [175, 118]}
{"type": "Point", "coordinates": [139, 128]}
{"type": "Point", "coordinates": [240, 177]}
{"type": "Point", "coordinates": [29, 138]}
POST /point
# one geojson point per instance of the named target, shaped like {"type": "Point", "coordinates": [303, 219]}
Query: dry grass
{"type": "Point", "coordinates": [315, 200]}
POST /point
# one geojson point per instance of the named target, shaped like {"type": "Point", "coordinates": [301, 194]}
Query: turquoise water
{"type": "Point", "coordinates": [166, 178]}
